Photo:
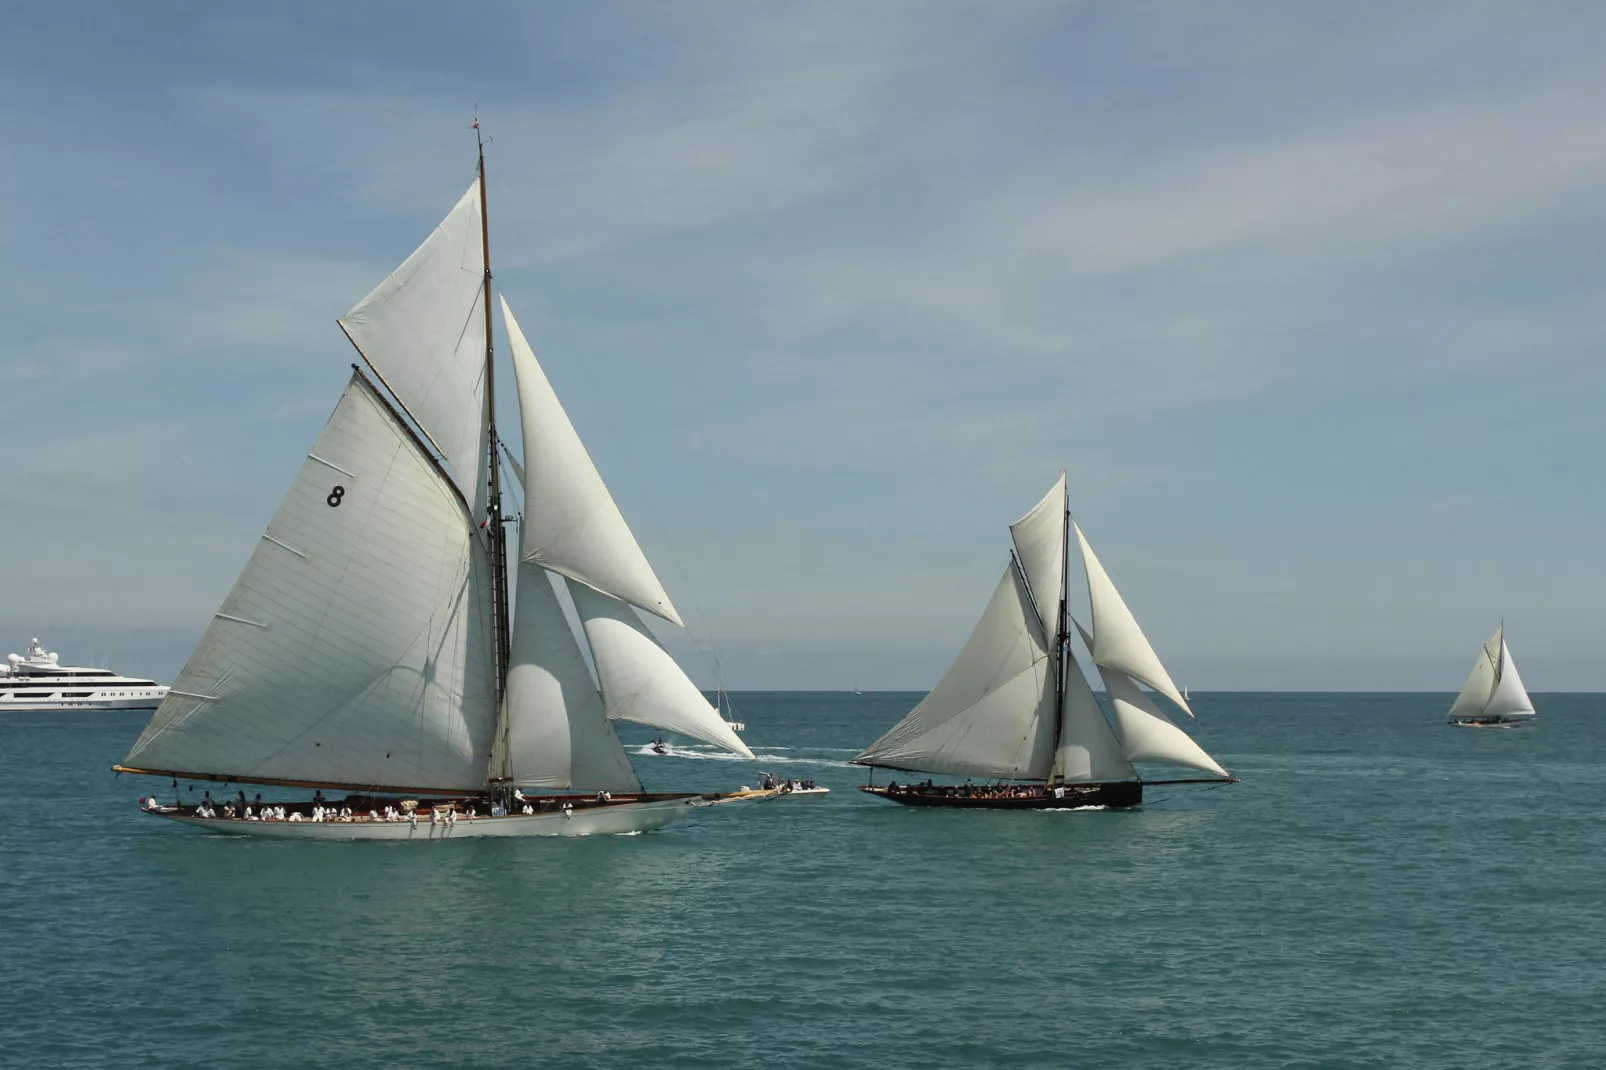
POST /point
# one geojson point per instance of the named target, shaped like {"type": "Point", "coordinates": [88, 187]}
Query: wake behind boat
{"type": "Point", "coordinates": [369, 647]}
{"type": "Point", "coordinates": [1015, 709]}
{"type": "Point", "coordinates": [1493, 696]}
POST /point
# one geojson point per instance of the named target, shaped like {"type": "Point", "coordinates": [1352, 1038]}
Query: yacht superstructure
{"type": "Point", "coordinates": [36, 682]}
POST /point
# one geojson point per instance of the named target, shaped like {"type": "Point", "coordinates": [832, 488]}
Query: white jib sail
{"type": "Point", "coordinates": [992, 713]}
{"type": "Point", "coordinates": [572, 525]}
{"type": "Point", "coordinates": [1088, 750]}
{"type": "Point", "coordinates": [1475, 693]}
{"type": "Point", "coordinates": [1040, 545]}
{"type": "Point", "coordinates": [1118, 642]}
{"type": "Point", "coordinates": [558, 735]}
{"type": "Point", "coordinates": [423, 331]}
{"type": "Point", "coordinates": [1510, 698]}
{"type": "Point", "coordinates": [1146, 734]}
{"type": "Point", "coordinates": [640, 681]}
{"type": "Point", "coordinates": [355, 648]}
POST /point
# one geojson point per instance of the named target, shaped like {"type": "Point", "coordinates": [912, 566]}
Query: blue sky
{"type": "Point", "coordinates": [1307, 298]}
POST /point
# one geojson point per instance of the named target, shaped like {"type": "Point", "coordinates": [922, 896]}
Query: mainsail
{"type": "Point", "coordinates": [992, 713]}
{"type": "Point", "coordinates": [355, 648]}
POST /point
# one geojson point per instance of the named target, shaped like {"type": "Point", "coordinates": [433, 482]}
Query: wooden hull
{"type": "Point", "coordinates": [1112, 795]}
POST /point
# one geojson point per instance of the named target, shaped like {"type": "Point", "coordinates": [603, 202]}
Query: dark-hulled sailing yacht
{"type": "Point", "coordinates": [1014, 709]}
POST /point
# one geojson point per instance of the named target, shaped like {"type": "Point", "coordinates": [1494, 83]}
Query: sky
{"type": "Point", "coordinates": [1307, 298]}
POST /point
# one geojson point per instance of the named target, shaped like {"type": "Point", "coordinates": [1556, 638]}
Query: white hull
{"type": "Point", "coordinates": [12, 705]}
{"type": "Point", "coordinates": [1516, 722]}
{"type": "Point", "coordinates": [619, 820]}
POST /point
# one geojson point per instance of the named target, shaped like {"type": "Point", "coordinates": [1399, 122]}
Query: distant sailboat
{"type": "Point", "coordinates": [369, 646]}
{"type": "Point", "coordinates": [1493, 696]}
{"type": "Point", "coordinates": [1015, 707]}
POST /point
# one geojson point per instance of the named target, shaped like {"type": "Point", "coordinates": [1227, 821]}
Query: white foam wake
{"type": "Point", "coordinates": [712, 755]}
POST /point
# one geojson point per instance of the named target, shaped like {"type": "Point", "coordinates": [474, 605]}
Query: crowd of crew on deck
{"type": "Point", "coordinates": [767, 782]}
{"type": "Point", "coordinates": [967, 790]}
{"type": "Point", "coordinates": [409, 811]}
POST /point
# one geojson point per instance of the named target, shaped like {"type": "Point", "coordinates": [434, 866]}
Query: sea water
{"type": "Point", "coordinates": [1380, 890]}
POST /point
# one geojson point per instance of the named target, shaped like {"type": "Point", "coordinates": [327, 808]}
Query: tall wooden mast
{"type": "Point", "coordinates": [1062, 627]}
{"type": "Point", "coordinates": [494, 505]}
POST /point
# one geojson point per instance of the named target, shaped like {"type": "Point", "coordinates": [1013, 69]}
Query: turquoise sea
{"type": "Point", "coordinates": [1380, 891]}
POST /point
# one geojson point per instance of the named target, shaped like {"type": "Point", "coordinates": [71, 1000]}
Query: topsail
{"type": "Point", "coordinates": [423, 331]}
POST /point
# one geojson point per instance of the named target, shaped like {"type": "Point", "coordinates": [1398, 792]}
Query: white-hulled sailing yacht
{"type": "Point", "coordinates": [1493, 696]}
{"type": "Point", "coordinates": [1014, 708]}
{"type": "Point", "coordinates": [368, 646]}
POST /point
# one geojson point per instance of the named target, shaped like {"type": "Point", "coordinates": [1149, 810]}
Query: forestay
{"type": "Point", "coordinates": [355, 648]}
{"type": "Point", "coordinates": [557, 735]}
{"type": "Point", "coordinates": [992, 713]}
{"type": "Point", "coordinates": [1146, 734]}
{"type": "Point", "coordinates": [423, 331]}
{"type": "Point", "coordinates": [640, 681]}
{"type": "Point", "coordinates": [572, 525]}
{"type": "Point", "coordinates": [1118, 642]}
{"type": "Point", "coordinates": [1088, 750]}
{"type": "Point", "coordinates": [1040, 544]}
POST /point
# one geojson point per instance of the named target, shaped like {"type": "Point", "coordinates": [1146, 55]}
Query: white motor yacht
{"type": "Point", "coordinates": [37, 682]}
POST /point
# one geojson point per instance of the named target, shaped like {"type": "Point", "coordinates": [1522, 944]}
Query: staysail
{"type": "Point", "coordinates": [423, 331]}
{"type": "Point", "coordinates": [640, 681]}
{"type": "Point", "coordinates": [992, 713]}
{"type": "Point", "coordinates": [1119, 643]}
{"type": "Point", "coordinates": [572, 525]}
{"type": "Point", "coordinates": [1088, 750]}
{"type": "Point", "coordinates": [1510, 698]}
{"type": "Point", "coordinates": [1146, 734]}
{"type": "Point", "coordinates": [558, 735]}
{"type": "Point", "coordinates": [355, 648]}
